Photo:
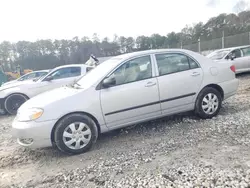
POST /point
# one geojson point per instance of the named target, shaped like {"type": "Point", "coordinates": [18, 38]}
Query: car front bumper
{"type": "Point", "coordinates": [33, 134]}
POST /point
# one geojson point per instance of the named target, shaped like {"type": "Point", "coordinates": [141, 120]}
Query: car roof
{"type": "Point", "coordinates": [148, 52]}
{"type": "Point", "coordinates": [47, 70]}
{"type": "Point", "coordinates": [72, 65]}
{"type": "Point", "coordinates": [124, 57]}
{"type": "Point", "coordinates": [232, 48]}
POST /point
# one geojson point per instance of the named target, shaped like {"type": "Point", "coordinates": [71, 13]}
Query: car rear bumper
{"type": "Point", "coordinates": [33, 134]}
{"type": "Point", "coordinates": [229, 87]}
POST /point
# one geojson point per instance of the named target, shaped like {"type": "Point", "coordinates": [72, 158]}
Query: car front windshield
{"type": "Point", "coordinates": [23, 77]}
{"type": "Point", "coordinates": [43, 76]}
{"type": "Point", "coordinates": [40, 77]}
{"type": "Point", "coordinates": [217, 55]}
{"type": "Point", "coordinates": [98, 72]}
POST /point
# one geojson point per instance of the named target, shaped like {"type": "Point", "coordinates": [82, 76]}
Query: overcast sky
{"type": "Point", "coordinates": [64, 19]}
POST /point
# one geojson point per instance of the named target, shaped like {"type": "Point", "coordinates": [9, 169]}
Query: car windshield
{"type": "Point", "coordinates": [25, 77]}
{"type": "Point", "coordinates": [217, 55]}
{"type": "Point", "coordinates": [100, 71]}
{"type": "Point", "coordinates": [41, 77]}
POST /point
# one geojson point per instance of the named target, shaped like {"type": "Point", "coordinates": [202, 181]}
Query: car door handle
{"type": "Point", "coordinates": [150, 84]}
{"type": "Point", "coordinates": [195, 74]}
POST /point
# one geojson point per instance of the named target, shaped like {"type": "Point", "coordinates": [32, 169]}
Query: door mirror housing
{"type": "Point", "coordinates": [108, 82]}
{"type": "Point", "coordinates": [233, 57]}
{"type": "Point", "coordinates": [49, 78]}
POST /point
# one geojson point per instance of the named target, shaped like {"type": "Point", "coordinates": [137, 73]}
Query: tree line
{"type": "Point", "coordinates": [47, 54]}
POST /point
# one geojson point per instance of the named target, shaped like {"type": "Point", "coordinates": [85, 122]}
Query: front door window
{"type": "Point", "coordinates": [133, 70]}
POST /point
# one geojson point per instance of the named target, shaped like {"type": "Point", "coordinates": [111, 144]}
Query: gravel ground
{"type": "Point", "coordinates": [177, 151]}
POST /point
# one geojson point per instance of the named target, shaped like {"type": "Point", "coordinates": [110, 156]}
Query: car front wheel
{"type": "Point", "coordinates": [75, 133]}
{"type": "Point", "coordinates": [208, 103]}
{"type": "Point", "coordinates": [13, 102]}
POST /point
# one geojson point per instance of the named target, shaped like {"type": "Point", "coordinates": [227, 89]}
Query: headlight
{"type": "Point", "coordinates": [29, 114]}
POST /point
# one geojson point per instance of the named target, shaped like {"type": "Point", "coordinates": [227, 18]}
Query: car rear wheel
{"type": "Point", "coordinates": [208, 103]}
{"type": "Point", "coordinates": [13, 102]}
{"type": "Point", "coordinates": [75, 133]}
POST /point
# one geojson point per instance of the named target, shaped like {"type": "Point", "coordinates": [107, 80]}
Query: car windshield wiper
{"type": "Point", "coordinates": [76, 85]}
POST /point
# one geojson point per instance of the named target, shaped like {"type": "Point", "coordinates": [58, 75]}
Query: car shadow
{"type": "Point", "coordinates": [104, 139]}
{"type": "Point", "coordinates": [114, 136]}
{"type": "Point", "coordinates": [243, 74]}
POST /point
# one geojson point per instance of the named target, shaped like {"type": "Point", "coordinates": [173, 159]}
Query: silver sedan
{"type": "Point", "coordinates": [121, 91]}
{"type": "Point", "coordinates": [239, 56]}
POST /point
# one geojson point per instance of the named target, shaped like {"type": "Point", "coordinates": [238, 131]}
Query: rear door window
{"type": "Point", "coordinates": [174, 62]}
{"type": "Point", "coordinates": [246, 51]}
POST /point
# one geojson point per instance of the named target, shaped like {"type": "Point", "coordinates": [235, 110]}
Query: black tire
{"type": "Point", "coordinates": [199, 101]}
{"type": "Point", "coordinates": [65, 122]}
{"type": "Point", "coordinates": [13, 102]}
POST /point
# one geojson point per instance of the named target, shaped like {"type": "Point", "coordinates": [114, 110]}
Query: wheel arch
{"type": "Point", "coordinates": [52, 137]}
{"type": "Point", "coordinates": [4, 101]}
{"type": "Point", "coordinates": [217, 87]}
{"type": "Point", "coordinates": [16, 93]}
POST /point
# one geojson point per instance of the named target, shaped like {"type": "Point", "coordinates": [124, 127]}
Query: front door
{"type": "Point", "coordinates": [179, 79]}
{"type": "Point", "coordinates": [134, 96]}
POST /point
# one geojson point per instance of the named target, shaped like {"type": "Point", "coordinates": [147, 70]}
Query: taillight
{"type": "Point", "coordinates": [232, 68]}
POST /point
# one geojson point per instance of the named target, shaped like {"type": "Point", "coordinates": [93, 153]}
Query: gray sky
{"type": "Point", "coordinates": [64, 19]}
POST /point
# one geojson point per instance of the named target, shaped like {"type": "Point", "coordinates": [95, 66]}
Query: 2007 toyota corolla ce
{"type": "Point", "coordinates": [121, 91]}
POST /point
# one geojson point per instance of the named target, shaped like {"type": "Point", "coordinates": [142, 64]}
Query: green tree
{"type": "Point", "coordinates": [45, 54]}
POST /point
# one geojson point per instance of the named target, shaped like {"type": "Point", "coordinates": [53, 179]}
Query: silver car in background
{"type": "Point", "coordinates": [121, 91]}
{"type": "Point", "coordinates": [239, 56]}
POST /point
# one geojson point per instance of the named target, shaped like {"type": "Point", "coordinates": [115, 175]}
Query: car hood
{"type": "Point", "coordinates": [15, 84]}
{"type": "Point", "coordinates": [10, 82]}
{"type": "Point", "coordinates": [51, 97]}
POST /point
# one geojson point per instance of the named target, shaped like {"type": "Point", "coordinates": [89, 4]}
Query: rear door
{"type": "Point", "coordinates": [180, 77]}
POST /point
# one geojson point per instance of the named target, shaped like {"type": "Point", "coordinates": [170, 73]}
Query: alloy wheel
{"type": "Point", "coordinates": [77, 135]}
{"type": "Point", "coordinates": [210, 103]}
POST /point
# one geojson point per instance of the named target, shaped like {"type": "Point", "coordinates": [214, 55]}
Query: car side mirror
{"type": "Point", "coordinates": [108, 82]}
{"type": "Point", "coordinates": [233, 57]}
{"type": "Point", "coordinates": [49, 78]}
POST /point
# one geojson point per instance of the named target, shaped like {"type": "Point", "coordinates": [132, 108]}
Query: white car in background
{"type": "Point", "coordinates": [12, 96]}
{"type": "Point", "coordinates": [121, 91]}
{"type": "Point", "coordinates": [28, 76]}
{"type": "Point", "coordinates": [239, 56]}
